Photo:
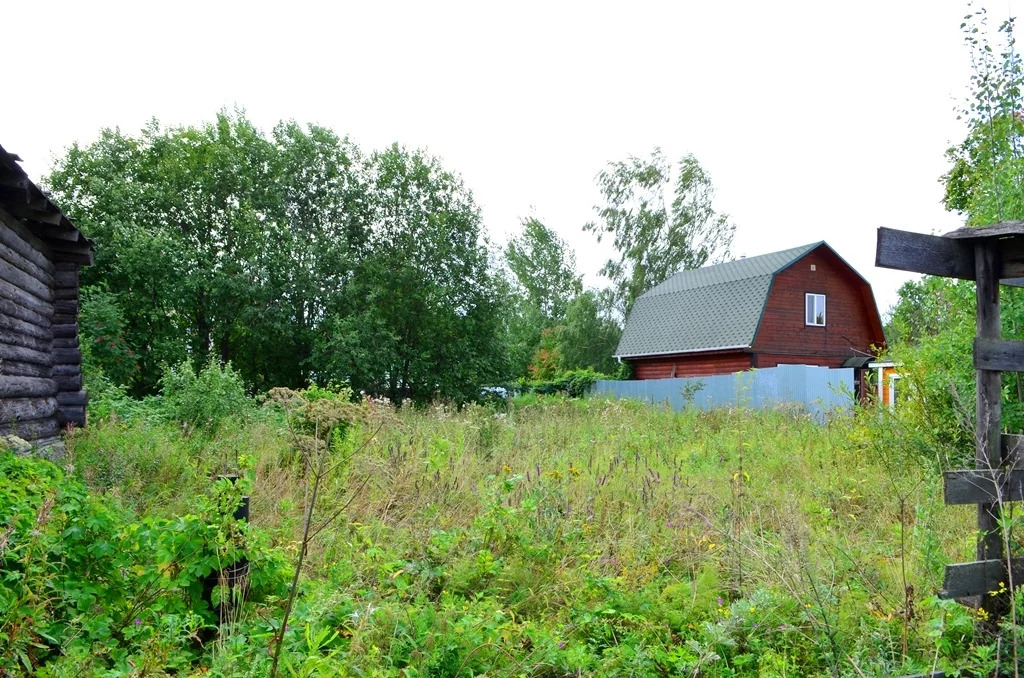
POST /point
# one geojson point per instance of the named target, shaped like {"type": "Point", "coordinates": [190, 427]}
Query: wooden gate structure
{"type": "Point", "coordinates": [991, 256]}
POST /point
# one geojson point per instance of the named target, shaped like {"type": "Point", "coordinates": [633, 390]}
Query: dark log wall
{"type": "Point", "coordinates": [690, 365]}
{"type": "Point", "coordinates": [40, 375]}
{"type": "Point", "coordinates": [851, 321]}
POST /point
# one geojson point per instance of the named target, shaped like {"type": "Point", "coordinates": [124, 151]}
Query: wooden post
{"type": "Point", "coordinates": [989, 394]}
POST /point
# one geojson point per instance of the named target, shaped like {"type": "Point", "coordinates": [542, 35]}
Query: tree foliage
{"type": "Point", "coordinates": [292, 255]}
{"type": "Point", "coordinates": [661, 220]}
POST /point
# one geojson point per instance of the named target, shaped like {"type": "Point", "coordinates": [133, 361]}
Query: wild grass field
{"type": "Point", "coordinates": [552, 537]}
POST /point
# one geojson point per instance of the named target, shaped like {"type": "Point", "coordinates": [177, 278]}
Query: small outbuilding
{"type": "Point", "coordinates": [802, 306]}
{"type": "Point", "coordinates": [40, 362]}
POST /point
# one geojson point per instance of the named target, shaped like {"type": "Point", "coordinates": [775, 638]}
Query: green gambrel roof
{"type": "Point", "coordinates": [715, 307]}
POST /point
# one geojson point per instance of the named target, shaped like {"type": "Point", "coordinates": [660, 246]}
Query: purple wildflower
{"type": "Point", "coordinates": [138, 622]}
{"type": "Point", "coordinates": [719, 600]}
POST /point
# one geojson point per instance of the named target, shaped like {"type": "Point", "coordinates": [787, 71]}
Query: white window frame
{"type": "Point", "coordinates": [807, 298]}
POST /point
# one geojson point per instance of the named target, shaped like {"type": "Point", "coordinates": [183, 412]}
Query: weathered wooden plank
{"type": "Point", "coordinates": [57, 232]}
{"type": "Point", "coordinates": [68, 382]}
{"type": "Point", "coordinates": [22, 241]}
{"type": "Point", "coordinates": [14, 324]}
{"type": "Point", "coordinates": [65, 330]}
{"type": "Point", "coordinates": [71, 416]}
{"type": "Point", "coordinates": [1001, 230]}
{"type": "Point", "coordinates": [66, 306]}
{"type": "Point", "coordinates": [25, 341]}
{"type": "Point", "coordinates": [60, 293]}
{"type": "Point", "coordinates": [978, 486]}
{"type": "Point", "coordinates": [26, 387]}
{"type": "Point", "coordinates": [26, 409]}
{"type": "Point", "coordinates": [987, 432]}
{"type": "Point", "coordinates": [73, 258]}
{"type": "Point", "coordinates": [15, 368]}
{"type": "Point", "coordinates": [16, 296]}
{"type": "Point", "coordinates": [67, 356]}
{"type": "Point", "coordinates": [23, 281]}
{"type": "Point", "coordinates": [66, 369]}
{"type": "Point", "coordinates": [31, 430]}
{"type": "Point", "coordinates": [1000, 355]}
{"type": "Point", "coordinates": [920, 253]}
{"type": "Point", "coordinates": [25, 266]}
{"type": "Point", "coordinates": [65, 342]}
{"type": "Point", "coordinates": [65, 266]}
{"type": "Point", "coordinates": [978, 578]}
{"type": "Point", "coordinates": [24, 355]}
{"type": "Point", "coordinates": [79, 398]}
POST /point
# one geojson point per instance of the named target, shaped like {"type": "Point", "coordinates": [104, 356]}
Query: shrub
{"type": "Point", "coordinates": [202, 401]}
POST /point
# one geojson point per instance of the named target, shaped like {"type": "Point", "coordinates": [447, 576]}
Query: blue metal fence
{"type": "Point", "coordinates": [819, 390]}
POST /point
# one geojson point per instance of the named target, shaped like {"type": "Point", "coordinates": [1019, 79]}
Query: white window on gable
{"type": "Point", "coordinates": [815, 309]}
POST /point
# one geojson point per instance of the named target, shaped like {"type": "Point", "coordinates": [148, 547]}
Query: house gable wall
{"type": "Point", "coordinates": [851, 321]}
{"type": "Point", "coordinates": [690, 365]}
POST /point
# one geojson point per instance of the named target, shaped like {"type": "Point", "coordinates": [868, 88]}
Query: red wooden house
{"type": "Point", "coordinates": [803, 306]}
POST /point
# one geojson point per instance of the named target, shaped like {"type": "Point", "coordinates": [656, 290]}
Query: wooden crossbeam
{"type": "Point", "coordinates": [943, 256]}
{"type": "Point", "coordinates": [977, 486]}
{"type": "Point", "coordinates": [998, 355]}
{"type": "Point", "coordinates": [978, 578]}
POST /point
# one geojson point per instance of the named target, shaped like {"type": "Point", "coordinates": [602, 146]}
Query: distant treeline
{"type": "Point", "coordinates": [300, 258]}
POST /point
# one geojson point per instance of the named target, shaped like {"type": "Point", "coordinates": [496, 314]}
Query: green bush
{"type": "Point", "coordinates": [574, 383]}
{"type": "Point", "coordinates": [202, 401]}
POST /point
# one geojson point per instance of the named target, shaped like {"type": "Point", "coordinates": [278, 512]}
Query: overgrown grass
{"type": "Point", "coordinates": [575, 537]}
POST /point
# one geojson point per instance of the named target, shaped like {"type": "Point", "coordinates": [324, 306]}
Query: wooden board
{"type": "Point", "coordinates": [998, 355]}
{"type": "Point", "coordinates": [978, 486]}
{"type": "Point", "coordinates": [978, 578]}
{"type": "Point", "coordinates": [920, 253]}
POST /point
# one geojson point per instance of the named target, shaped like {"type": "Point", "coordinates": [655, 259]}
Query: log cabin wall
{"type": "Point", "coordinates": [40, 362]}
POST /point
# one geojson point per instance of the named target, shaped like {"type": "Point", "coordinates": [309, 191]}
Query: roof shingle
{"type": "Point", "coordinates": [714, 307]}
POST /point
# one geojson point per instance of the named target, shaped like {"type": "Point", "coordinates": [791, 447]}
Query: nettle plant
{"type": "Point", "coordinates": [85, 581]}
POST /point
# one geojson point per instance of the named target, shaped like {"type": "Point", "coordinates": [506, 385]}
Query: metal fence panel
{"type": "Point", "coordinates": [819, 390]}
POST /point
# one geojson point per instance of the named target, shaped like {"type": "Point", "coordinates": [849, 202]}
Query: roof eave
{"type": "Point", "coordinates": [712, 349]}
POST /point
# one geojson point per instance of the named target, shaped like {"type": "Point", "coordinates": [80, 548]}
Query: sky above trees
{"type": "Point", "coordinates": [814, 120]}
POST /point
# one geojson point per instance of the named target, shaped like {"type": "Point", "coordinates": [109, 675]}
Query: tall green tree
{"type": "Point", "coordinates": [661, 220]}
{"type": "Point", "coordinates": [589, 335]}
{"type": "Point", "coordinates": [423, 313]}
{"type": "Point", "coordinates": [544, 266]}
{"type": "Point", "coordinates": [544, 283]}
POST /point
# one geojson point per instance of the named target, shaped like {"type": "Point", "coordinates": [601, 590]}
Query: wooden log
{"type": "Point", "coordinates": [71, 416]}
{"type": "Point", "coordinates": [31, 430]}
{"type": "Point", "coordinates": [26, 409]}
{"type": "Point", "coordinates": [65, 342]}
{"type": "Point", "coordinates": [25, 355]}
{"type": "Point", "coordinates": [73, 258]}
{"type": "Point", "coordinates": [26, 283]}
{"type": "Point", "coordinates": [69, 293]}
{"type": "Point", "coordinates": [14, 295]}
{"type": "Point", "coordinates": [12, 324]}
{"type": "Point", "coordinates": [65, 318]}
{"type": "Point", "coordinates": [68, 382]}
{"type": "Point", "coordinates": [69, 306]}
{"type": "Point", "coordinates": [67, 356]}
{"type": "Point", "coordinates": [66, 369]}
{"type": "Point", "coordinates": [26, 387]}
{"type": "Point", "coordinates": [978, 578]}
{"type": "Point", "coordinates": [65, 330]}
{"type": "Point", "coordinates": [979, 486]}
{"type": "Point", "coordinates": [21, 240]}
{"type": "Point", "coordinates": [66, 279]}
{"type": "Point", "coordinates": [66, 266]}
{"type": "Point", "coordinates": [987, 436]}
{"type": "Point", "coordinates": [25, 266]}
{"type": "Point", "coordinates": [79, 398]}
{"type": "Point", "coordinates": [15, 368]}
{"type": "Point", "coordinates": [25, 341]}
{"type": "Point", "coordinates": [1000, 355]}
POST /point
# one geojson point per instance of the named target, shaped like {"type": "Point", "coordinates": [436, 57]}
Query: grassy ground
{"type": "Point", "coordinates": [565, 537]}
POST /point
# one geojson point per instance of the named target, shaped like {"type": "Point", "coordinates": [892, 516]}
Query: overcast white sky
{"type": "Point", "coordinates": [816, 120]}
